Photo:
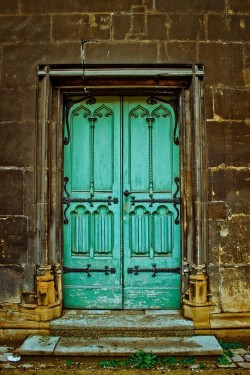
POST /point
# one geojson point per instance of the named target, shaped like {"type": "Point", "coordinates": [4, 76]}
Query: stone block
{"type": "Point", "coordinates": [138, 23]}
{"type": "Point", "coordinates": [177, 52]}
{"type": "Point", "coordinates": [217, 210]}
{"type": "Point", "coordinates": [133, 52]}
{"type": "Point", "coordinates": [234, 241]}
{"type": "Point", "coordinates": [198, 314]}
{"type": "Point", "coordinates": [216, 141]}
{"type": "Point", "coordinates": [5, 349]}
{"type": "Point", "coordinates": [186, 27]}
{"type": "Point", "coordinates": [81, 27]}
{"type": "Point", "coordinates": [157, 26]}
{"type": "Point", "coordinates": [231, 103]}
{"type": "Point", "coordinates": [228, 143]}
{"type": "Point", "coordinates": [234, 335]}
{"type": "Point", "coordinates": [29, 105]}
{"type": "Point", "coordinates": [9, 6]}
{"type": "Point", "coordinates": [208, 102]}
{"type": "Point", "coordinates": [39, 345]}
{"type": "Point", "coordinates": [223, 63]}
{"type": "Point", "coordinates": [239, 141]}
{"type": "Point", "coordinates": [213, 242]}
{"type": "Point", "coordinates": [232, 185]}
{"type": "Point", "coordinates": [24, 73]}
{"type": "Point", "coordinates": [14, 240]}
{"type": "Point", "coordinates": [246, 70]}
{"type": "Point", "coordinates": [191, 6]}
{"type": "Point", "coordinates": [214, 283]}
{"type": "Point", "coordinates": [149, 4]}
{"type": "Point", "coordinates": [76, 6]}
{"type": "Point", "coordinates": [245, 365]}
{"type": "Point", "coordinates": [237, 358]}
{"type": "Point", "coordinates": [121, 26]}
{"type": "Point", "coordinates": [24, 29]}
{"type": "Point", "coordinates": [11, 193]}
{"type": "Point", "coordinates": [29, 197]}
{"type": "Point", "coordinates": [235, 290]}
{"type": "Point", "coordinates": [11, 104]}
{"type": "Point", "coordinates": [232, 365]}
{"type": "Point", "coordinates": [15, 152]}
{"type": "Point", "coordinates": [246, 357]}
{"type": "Point", "coordinates": [225, 321]}
{"type": "Point", "coordinates": [229, 28]}
{"type": "Point", "coordinates": [239, 351]}
{"type": "Point", "coordinates": [247, 54]}
{"type": "Point", "coordinates": [28, 285]}
{"type": "Point", "coordinates": [120, 346]}
{"type": "Point", "coordinates": [239, 6]}
{"type": "Point", "coordinates": [3, 358]}
{"type": "Point", "coordinates": [124, 346]}
{"type": "Point", "coordinates": [10, 281]}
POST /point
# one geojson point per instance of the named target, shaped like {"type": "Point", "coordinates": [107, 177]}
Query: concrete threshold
{"type": "Point", "coordinates": [120, 346]}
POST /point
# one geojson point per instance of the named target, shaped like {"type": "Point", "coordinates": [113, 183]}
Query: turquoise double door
{"type": "Point", "coordinates": [121, 204]}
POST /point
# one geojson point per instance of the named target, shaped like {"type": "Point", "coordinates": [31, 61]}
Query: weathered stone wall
{"type": "Point", "coordinates": [215, 33]}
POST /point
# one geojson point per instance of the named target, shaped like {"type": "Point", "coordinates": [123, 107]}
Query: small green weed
{"type": "Point", "coordinates": [228, 353]}
{"type": "Point", "coordinates": [230, 345]}
{"type": "Point", "coordinates": [170, 361]}
{"type": "Point", "coordinates": [142, 360]}
{"type": "Point", "coordinates": [113, 363]}
{"type": "Point", "coordinates": [146, 361]}
{"type": "Point", "coordinates": [188, 361]}
{"type": "Point", "coordinates": [223, 360]}
{"type": "Point", "coordinates": [69, 362]}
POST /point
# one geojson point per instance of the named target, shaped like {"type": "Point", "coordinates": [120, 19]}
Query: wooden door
{"type": "Point", "coordinates": [151, 212]}
{"type": "Point", "coordinates": [92, 217]}
{"type": "Point", "coordinates": [121, 220]}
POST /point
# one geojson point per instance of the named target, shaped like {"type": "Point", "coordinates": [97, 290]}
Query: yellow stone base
{"type": "Point", "coordinates": [200, 315]}
{"type": "Point", "coordinates": [19, 321]}
{"type": "Point", "coordinates": [45, 313]}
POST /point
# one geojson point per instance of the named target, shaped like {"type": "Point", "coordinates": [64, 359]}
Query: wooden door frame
{"type": "Point", "coordinates": [53, 84]}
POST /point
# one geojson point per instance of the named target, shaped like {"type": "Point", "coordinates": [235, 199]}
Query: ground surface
{"type": "Point", "coordinates": [236, 354]}
{"type": "Point", "coordinates": [88, 366]}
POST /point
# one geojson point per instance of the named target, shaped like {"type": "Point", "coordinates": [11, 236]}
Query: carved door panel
{"type": "Point", "coordinates": [92, 216]}
{"type": "Point", "coordinates": [121, 205]}
{"type": "Point", "coordinates": [151, 205]}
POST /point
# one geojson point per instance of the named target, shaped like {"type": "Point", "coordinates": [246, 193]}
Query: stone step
{"type": "Point", "coordinates": [116, 324]}
{"type": "Point", "coordinates": [120, 346]}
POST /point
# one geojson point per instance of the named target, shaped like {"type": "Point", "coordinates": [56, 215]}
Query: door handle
{"type": "Point", "coordinates": [126, 193]}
